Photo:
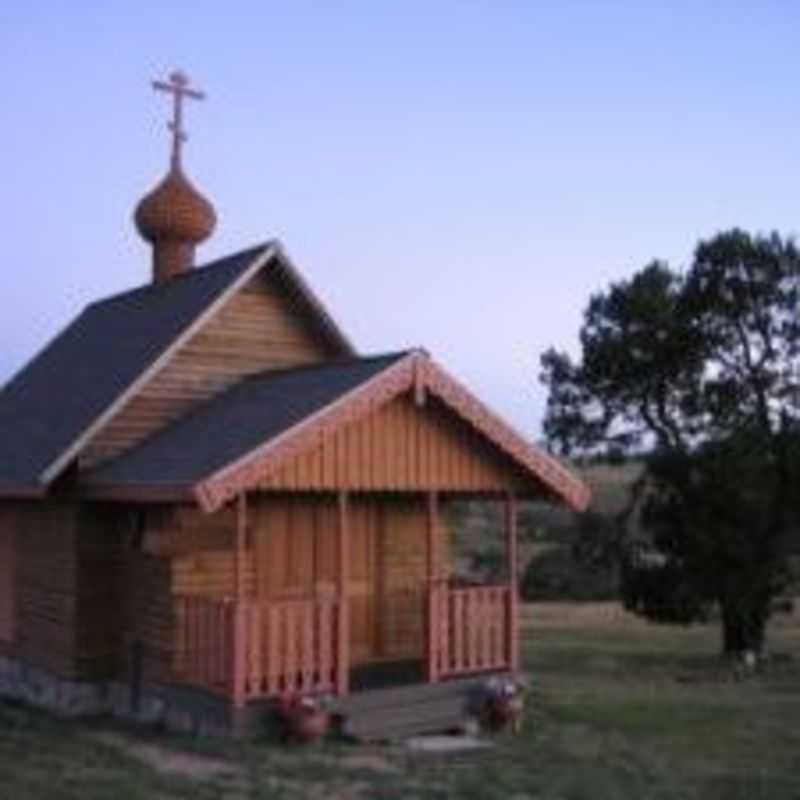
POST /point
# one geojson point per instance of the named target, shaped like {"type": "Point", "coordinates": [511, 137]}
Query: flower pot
{"type": "Point", "coordinates": [503, 711]}
{"type": "Point", "coordinates": [308, 725]}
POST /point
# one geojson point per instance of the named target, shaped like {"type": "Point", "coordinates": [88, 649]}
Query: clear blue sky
{"type": "Point", "coordinates": [456, 175]}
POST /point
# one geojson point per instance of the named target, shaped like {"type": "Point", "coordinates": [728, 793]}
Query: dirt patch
{"type": "Point", "coordinates": [369, 761]}
{"type": "Point", "coordinates": [169, 762]}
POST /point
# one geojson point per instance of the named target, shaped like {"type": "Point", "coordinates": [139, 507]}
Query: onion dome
{"type": "Point", "coordinates": [175, 211]}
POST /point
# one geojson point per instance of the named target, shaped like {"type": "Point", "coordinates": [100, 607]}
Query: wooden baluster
{"type": "Point", "coordinates": [472, 630]}
{"type": "Point", "coordinates": [458, 629]}
{"type": "Point", "coordinates": [486, 628]}
{"type": "Point", "coordinates": [181, 661]}
{"type": "Point", "coordinates": [497, 626]}
{"type": "Point", "coordinates": [308, 634]}
{"type": "Point", "coordinates": [256, 687]}
{"type": "Point", "coordinates": [444, 632]}
{"type": "Point", "coordinates": [290, 642]}
{"type": "Point", "coordinates": [433, 577]}
{"type": "Point", "coordinates": [343, 608]}
{"type": "Point", "coordinates": [226, 651]}
{"type": "Point", "coordinates": [240, 622]}
{"type": "Point", "coordinates": [273, 650]}
{"type": "Point", "coordinates": [322, 631]}
{"type": "Point", "coordinates": [512, 621]}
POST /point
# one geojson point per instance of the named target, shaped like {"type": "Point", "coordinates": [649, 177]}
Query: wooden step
{"type": "Point", "coordinates": [396, 713]}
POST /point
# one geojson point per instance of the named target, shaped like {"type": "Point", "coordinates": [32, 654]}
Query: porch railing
{"type": "Point", "coordinates": [287, 646]}
{"type": "Point", "coordinates": [472, 629]}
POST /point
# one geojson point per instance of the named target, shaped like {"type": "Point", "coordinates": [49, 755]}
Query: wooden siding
{"type": "Point", "coordinates": [294, 549]}
{"type": "Point", "coordinates": [8, 575]}
{"type": "Point", "coordinates": [403, 595]}
{"type": "Point", "coordinates": [258, 329]}
{"type": "Point", "coordinates": [401, 447]}
{"type": "Point", "coordinates": [294, 546]}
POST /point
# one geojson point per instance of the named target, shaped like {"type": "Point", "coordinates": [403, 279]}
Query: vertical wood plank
{"type": "Point", "coordinates": [512, 635]}
{"type": "Point", "coordinates": [458, 630]}
{"type": "Point", "coordinates": [444, 630]}
{"type": "Point", "coordinates": [324, 623]}
{"type": "Point", "coordinates": [432, 576]}
{"type": "Point", "coordinates": [240, 628]}
{"type": "Point", "coordinates": [290, 648]}
{"type": "Point", "coordinates": [343, 606]}
{"type": "Point", "coordinates": [309, 657]}
{"type": "Point", "coordinates": [273, 650]}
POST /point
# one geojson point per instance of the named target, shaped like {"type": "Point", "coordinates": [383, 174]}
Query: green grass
{"type": "Point", "coordinates": [618, 710]}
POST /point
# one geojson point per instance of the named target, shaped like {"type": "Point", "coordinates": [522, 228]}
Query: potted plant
{"type": "Point", "coordinates": [305, 719]}
{"type": "Point", "coordinates": [504, 704]}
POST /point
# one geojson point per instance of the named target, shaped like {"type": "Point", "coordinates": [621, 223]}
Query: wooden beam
{"type": "Point", "coordinates": [512, 617]}
{"type": "Point", "coordinates": [143, 493]}
{"type": "Point", "coordinates": [343, 606]}
{"type": "Point", "coordinates": [241, 546]}
{"type": "Point", "coordinates": [433, 587]}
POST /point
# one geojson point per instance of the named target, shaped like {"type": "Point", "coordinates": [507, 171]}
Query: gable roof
{"type": "Point", "coordinates": [228, 444]}
{"type": "Point", "coordinates": [233, 424]}
{"type": "Point", "coordinates": [84, 375]}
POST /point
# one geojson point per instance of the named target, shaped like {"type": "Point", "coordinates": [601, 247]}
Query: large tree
{"type": "Point", "coordinates": [699, 372]}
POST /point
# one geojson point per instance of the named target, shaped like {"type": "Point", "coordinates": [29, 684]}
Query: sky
{"type": "Point", "coordinates": [454, 175]}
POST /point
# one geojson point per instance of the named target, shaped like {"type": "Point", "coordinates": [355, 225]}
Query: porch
{"type": "Point", "coordinates": [248, 648]}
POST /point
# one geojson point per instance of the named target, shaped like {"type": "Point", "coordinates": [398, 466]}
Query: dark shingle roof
{"type": "Point", "coordinates": [48, 405]}
{"type": "Point", "coordinates": [233, 424]}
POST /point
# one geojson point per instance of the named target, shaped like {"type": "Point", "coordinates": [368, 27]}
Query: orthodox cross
{"type": "Point", "coordinates": [178, 87]}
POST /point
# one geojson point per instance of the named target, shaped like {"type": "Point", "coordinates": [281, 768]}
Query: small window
{"type": "Point", "coordinates": [8, 577]}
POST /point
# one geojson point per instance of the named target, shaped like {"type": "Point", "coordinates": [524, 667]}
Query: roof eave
{"type": "Point", "coordinates": [19, 491]}
{"type": "Point", "coordinates": [137, 492]}
{"type": "Point", "coordinates": [329, 324]}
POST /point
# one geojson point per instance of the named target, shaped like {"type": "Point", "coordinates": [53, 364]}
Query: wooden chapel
{"type": "Point", "coordinates": [209, 499]}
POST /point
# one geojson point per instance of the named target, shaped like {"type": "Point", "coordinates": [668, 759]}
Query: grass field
{"type": "Point", "coordinates": [620, 710]}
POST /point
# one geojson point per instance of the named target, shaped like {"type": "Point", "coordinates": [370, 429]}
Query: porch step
{"type": "Point", "coordinates": [397, 713]}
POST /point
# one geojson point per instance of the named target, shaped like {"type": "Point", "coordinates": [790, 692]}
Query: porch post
{"type": "Point", "coordinates": [343, 607]}
{"type": "Point", "coordinates": [239, 617]}
{"type": "Point", "coordinates": [433, 588]}
{"type": "Point", "coordinates": [512, 616]}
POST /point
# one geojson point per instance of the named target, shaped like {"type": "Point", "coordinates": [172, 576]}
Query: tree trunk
{"type": "Point", "coordinates": [744, 622]}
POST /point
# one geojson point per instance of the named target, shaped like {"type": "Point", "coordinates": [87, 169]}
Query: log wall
{"type": "Point", "coordinates": [47, 586]}
{"type": "Point", "coordinates": [401, 447]}
{"type": "Point", "coordinates": [8, 574]}
{"type": "Point", "coordinates": [258, 329]}
{"type": "Point", "coordinates": [101, 543]}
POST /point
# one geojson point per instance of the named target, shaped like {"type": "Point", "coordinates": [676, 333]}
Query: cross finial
{"type": "Point", "coordinates": [178, 87]}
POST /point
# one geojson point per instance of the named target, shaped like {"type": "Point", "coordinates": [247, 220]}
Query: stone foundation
{"type": "Point", "coordinates": [180, 709]}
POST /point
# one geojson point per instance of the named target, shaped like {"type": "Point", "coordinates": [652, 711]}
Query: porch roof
{"type": "Point", "coordinates": [257, 410]}
{"type": "Point", "coordinates": [232, 441]}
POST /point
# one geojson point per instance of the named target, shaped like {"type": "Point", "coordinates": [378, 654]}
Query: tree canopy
{"type": "Point", "coordinates": [699, 371]}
